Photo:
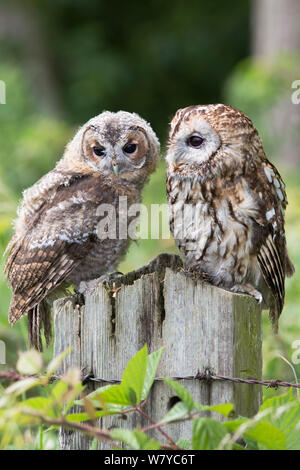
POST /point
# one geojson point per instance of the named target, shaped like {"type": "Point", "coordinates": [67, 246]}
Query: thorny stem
{"type": "Point", "coordinates": [100, 434]}
{"type": "Point", "coordinates": [154, 425]}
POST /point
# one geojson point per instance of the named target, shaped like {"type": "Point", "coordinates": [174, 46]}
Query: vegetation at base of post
{"type": "Point", "coordinates": [30, 421]}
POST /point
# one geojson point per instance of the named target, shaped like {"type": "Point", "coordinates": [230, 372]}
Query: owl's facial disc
{"type": "Point", "coordinates": [115, 156]}
{"type": "Point", "coordinates": [194, 142]}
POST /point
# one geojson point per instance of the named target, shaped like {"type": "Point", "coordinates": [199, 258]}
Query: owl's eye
{"type": "Point", "coordinates": [130, 148]}
{"type": "Point", "coordinates": [195, 141]}
{"type": "Point", "coordinates": [99, 150]}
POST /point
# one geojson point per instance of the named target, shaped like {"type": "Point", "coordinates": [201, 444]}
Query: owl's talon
{"type": "Point", "coordinates": [108, 277]}
{"type": "Point", "coordinates": [87, 286]}
{"type": "Point", "coordinates": [248, 289]}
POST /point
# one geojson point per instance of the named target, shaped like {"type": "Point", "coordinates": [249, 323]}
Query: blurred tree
{"type": "Point", "coordinates": [150, 57]}
{"type": "Point", "coordinates": [276, 32]}
{"type": "Point", "coordinates": [275, 27]}
{"type": "Point", "coordinates": [21, 33]}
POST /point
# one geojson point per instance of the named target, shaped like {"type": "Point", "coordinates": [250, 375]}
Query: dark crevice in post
{"type": "Point", "coordinates": [79, 323]}
{"type": "Point", "coordinates": [207, 373]}
{"type": "Point", "coordinates": [161, 303]}
{"type": "Point", "coordinates": [158, 265]}
{"type": "Point", "coordinates": [113, 312]}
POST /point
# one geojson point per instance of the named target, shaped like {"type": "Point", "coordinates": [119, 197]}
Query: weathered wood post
{"type": "Point", "coordinates": [201, 326]}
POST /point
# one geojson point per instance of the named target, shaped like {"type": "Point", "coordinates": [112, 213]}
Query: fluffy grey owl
{"type": "Point", "coordinates": [55, 237]}
{"type": "Point", "coordinates": [227, 204]}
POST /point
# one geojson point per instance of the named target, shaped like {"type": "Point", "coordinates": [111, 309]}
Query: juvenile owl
{"type": "Point", "coordinates": [226, 204]}
{"type": "Point", "coordinates": [56, 237]}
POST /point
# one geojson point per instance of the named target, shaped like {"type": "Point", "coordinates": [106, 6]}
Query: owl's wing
{"type": "Point", "coordinates": [271, 250]}
{"type": "Point", "coordinates": [61, 235]}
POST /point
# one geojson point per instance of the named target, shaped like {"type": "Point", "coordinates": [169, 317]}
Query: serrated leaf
{"type": "Point", "coordinates": [223, 409]}
{"type": "Point", "coordinates": [234, 424]}
{"type": "Point", "coordinates": [136, 439]}
{"type": "Point", "coordinates": [81, 417]}
{"type": "Point", "coordinates": [39, 403]}
{"type": "Point", "coordinates": [267, 436]}
{"type": "Point", "coordinates": [277, 401]}
{"type": "Point", "coordinates": [152, 365]}
{"type": "Point", "coordinates": [181, 392]}
{"type": "Point", "coordinates": [134, 376]}
{"type": "Point", "coordinates": [207, 433]}
{"type": "Point", "coordinates": [129, 391]}
{"type": "Point", "coordinates": [293, 440]}
{"type": "Point", "coordinates": [59, 389]}
{"type": "Point", "coordinates": [116, 394]}
{"type": "Point", "coordinates": [94, 444]}
{"type": "Point", "coordinates": [184, 443]}
{"type": "Point", "coordinates": [264, 433]}
{"type": "Point", "coordinates": [178, 411]}
{"type": "Point", "coordinates": [284, 414]}
{"type": "Point", "coordinates": [250, 443]}
{"type": "Point", "coordinates": [95, 396]}
{"type": "Point", "coordinates": [29, 362]}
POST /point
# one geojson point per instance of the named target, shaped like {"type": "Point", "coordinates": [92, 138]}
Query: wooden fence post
{"type": "Point", "coordinates": [201, 326]}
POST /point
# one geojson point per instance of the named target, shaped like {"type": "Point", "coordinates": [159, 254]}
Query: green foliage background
{"type": "Point", "coordinates": [151, 57]}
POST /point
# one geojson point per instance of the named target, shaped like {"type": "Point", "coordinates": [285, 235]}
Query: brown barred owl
{"type": "Point", "coordinates": [226, 204]}
{"type": "Point", "coordinates": [56, 237]}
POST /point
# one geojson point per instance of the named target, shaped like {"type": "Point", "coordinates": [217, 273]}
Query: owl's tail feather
{"type": "Point", "coordinates": [290, 268]}
{"type": "Point", "coordinates": [39, 318]}
{"type": "Point", "coordinates": [274, 314]}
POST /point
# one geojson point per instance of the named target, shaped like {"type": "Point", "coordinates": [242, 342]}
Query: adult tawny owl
{"type": "Point", "coordinates": [56, 233]}
{"type": "Point", "coordinates": [226, 204]}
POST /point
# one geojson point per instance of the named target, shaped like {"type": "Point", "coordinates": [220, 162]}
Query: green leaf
{"type": "Point", "coordinates": [264, 433]}
{"type": "Point", "coordinates": [184, 443]}
{"type": "Point", "coordinates": [94, 444]}
{"type": "Point", "coordinates": [116, 394]}
{"type": "Point", "coordinates": [293, 440]}
{"type": "Point", "coordinates": [81, 417]}
{"type": "Point", "coordinates": [29, 362]}
{"type": "Point", "coordinates": [223, 409]}
{"type": "Point", "coordinates": [234, 424]}
{"type": "Point", "coordinates": [207, 433]}
{"type": "Point", "coordinates": [59, 389]}
{"type": "Point", "coordinates": [39, 403]}
{"type": "Point", "coordinates": [152, 364]}
{"type": "Point", "coordinates": [22, 386]}
{"type": "Point", "coordinates": [267, 435]}
{"type": "Point", "coordinates": [250, 443]}
{"type": "Point", "coordinates": [178, 411]}
{"type": "Point", "coordinates": [277, 401]}
{"type": "Point", "coordinates": [284, 413]}
{"type": "Point", "coordinates": [94, 396]}
{"type": "Point", "coordinates": [129, 392]}
{"type": "Point", "coordinates": [129, 395]}
{"type": "Point", "coordinates": [181, 392]}
{"type": "Point", "coordinates": [134, 376]}
{"type": "Point", "coordinates": [136, 439]}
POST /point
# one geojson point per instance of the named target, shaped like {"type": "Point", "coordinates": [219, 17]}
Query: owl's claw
{"type": "Point", "coordinates": [248, 289]}
{"type": "Point", "coordinates": [87, 286]}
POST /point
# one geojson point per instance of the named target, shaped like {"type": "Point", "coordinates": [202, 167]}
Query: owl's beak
{"type": "Point", "coordinates": [115, 167]}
